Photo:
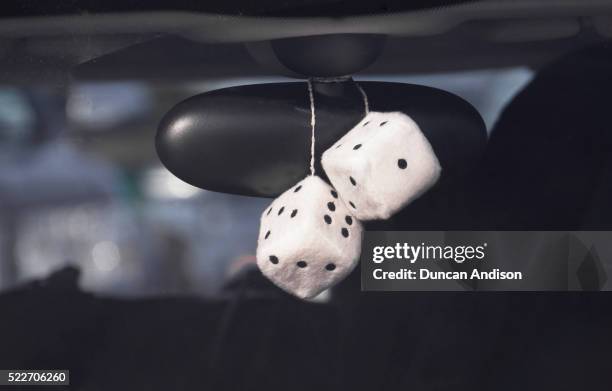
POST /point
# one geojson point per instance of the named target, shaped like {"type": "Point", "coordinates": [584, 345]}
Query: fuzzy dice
{"type": "Point", "coordinates": [308, 239]}
{"type": "Point", "coordinates": [380, 165]}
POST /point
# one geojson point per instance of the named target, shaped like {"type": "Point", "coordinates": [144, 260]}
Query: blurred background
{"type": "Point", "coordinates": [83, 87]}
{"type": "Point", "coordinates": [81, 185]}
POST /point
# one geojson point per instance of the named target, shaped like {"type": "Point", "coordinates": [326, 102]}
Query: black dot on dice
{"type": "Point", "coordinates": [302, 264]}
{"type": "Point", "coordinates": [281, 210]}
{"type": "Point", "coordinates": [353, 181]}
{"type": "Point", "coordinates": [293, 213]}
{"type": "Point", "coordinates": [297, 189]}
{"type": "Point", "coordinates": [352, 205]}
{"type": "Point", "coordinates": [401, 163]}
{"type": "Point", "coordinates": [330, 266]}
{"type": "Point", "coordinates": [383, 123]}
{"type": "Point", "coordinates": [269, 210]}
{"type": "Point", "coordinates": [349, 220]}
{"type": "Point", "coordinates": [273, 259]}
{"type": "Point", "coordinates": [334, 194]}
{"type": "Point", "coordinates": [367, 122]}
{"type": "Point", "coordinates": [356, 147]}
{"type": "Point", "coordinates": [267, 235]}
{"type": "Point", "coordinates": [345, 232]}
{"type": "Point", "coordinates": [331, 206]}
{"type": "Point", "coordinates": [327, 219]}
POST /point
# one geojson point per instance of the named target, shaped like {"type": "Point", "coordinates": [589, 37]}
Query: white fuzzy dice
{"type": "Point", "coordinates": [381, 165]}
{"type": "Point", "coordinates": [308, 239]}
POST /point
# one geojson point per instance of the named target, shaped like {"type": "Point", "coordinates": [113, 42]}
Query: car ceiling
{"type": "Point", "coordinates": [227, 39]}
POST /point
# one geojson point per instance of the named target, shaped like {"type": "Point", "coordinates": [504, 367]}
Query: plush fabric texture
{"type": "Point", "coordinates": [381, 165]}
{"type": "Point", "coordinates": [308, 239]}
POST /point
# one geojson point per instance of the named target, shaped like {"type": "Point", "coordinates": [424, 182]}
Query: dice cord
{"type": "Point", "coordinates": [366, 103]}
{"type": "Point", "coordinates": [313, 119]}
{"type": "Point", "coordinates": [312, 128]}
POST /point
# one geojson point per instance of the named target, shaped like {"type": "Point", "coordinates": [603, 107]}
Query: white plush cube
{"type": "Point", "coordinates": [308, 239]}
{"type": "Point", "coordinates": [381, 165]}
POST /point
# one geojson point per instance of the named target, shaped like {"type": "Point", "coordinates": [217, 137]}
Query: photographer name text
{"type": "Point", "coordinates": [404, 252]}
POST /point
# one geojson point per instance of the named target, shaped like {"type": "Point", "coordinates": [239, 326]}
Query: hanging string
{"type": "Point", "coordinates": [313, 121]}
{"type": "Point", "coordinates": [366, 104]}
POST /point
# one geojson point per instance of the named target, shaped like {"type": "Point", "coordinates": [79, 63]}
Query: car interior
{"type": "Point", "coordinates": [140, 141]}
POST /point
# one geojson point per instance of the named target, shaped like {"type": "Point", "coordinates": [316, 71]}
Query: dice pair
{"type": "Point", "coordinates": [310, 236]}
